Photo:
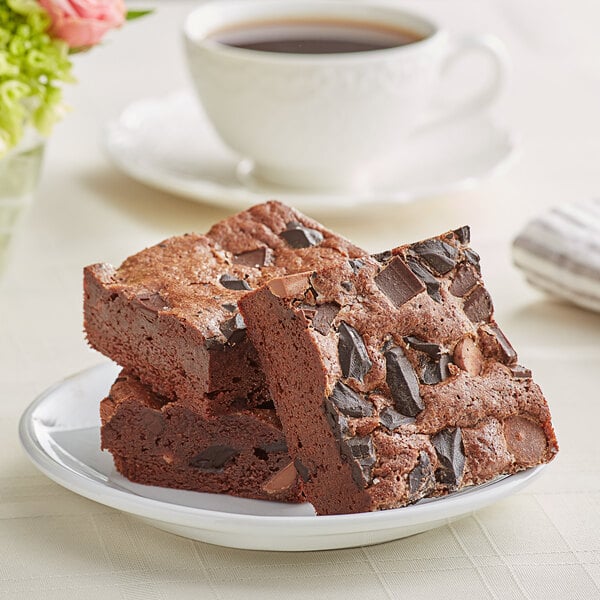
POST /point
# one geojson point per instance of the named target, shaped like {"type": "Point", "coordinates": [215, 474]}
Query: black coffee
{"type": "Point", "coordinates": [306, 36]}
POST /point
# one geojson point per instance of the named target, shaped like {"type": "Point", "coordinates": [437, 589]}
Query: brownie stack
{"type": "Point", "coordinates": [191, 408]}
{"type": "Point", "coordinates": [379, 380]}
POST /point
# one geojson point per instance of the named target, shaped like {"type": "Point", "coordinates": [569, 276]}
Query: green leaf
{"type": "Point", "coordinates": [136, 14]}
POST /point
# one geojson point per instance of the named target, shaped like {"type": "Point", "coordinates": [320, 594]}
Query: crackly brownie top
{"type": "Point", "coordinates": [284, 238]}
{"type": "Point", "coordinates": [200, 278]}
{"type": "Point", "coordinates": [411, 347]}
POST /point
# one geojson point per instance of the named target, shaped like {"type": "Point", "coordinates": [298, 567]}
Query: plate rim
{"type": "Point", "coordinates": [441, 508]}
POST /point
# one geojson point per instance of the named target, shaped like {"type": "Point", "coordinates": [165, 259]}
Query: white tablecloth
{"type": "Point", "coordinates": [541, 543]}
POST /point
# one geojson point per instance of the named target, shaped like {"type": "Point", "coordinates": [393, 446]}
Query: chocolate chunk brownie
{"type": "Point", "coordinates": [158, 442]}
{"type": "Point", "coordinates": [392, 380]}
{"type": "Point", "coordinates": [169, 313]}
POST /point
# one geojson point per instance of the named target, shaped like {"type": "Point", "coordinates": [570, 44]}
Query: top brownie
{"type": "Point", "coordinates": [393, 381]}
{"type": "Point", "coordinates": [169, 313]}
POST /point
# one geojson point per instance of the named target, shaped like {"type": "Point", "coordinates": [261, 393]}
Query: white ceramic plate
{"type": "Point", "coordinates": [167, 143]}
{"type": "Point", "coordinates": [60, 432]}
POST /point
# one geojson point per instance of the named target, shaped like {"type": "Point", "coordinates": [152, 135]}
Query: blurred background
{"type": "Point", "coordinates": [87, 211]}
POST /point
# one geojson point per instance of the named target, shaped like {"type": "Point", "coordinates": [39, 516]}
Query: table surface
{"type": "Point", "coordinates": [542, 542]}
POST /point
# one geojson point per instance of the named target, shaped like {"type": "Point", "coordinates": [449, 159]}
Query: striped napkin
{"type": "Point", "coordinates": [559, 252]}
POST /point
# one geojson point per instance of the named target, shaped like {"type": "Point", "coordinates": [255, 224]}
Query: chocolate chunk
{"type": "Point", "coordinates": [349, 403]}
{"type": "Point", "coordinates": [282, 480]}
{"type": "Point", "coordinates": [431, 283]}
{"type": "Point", "coordinates": [324, 316]}
{"type": "Point", "coordinates": [362, 456]}
{"type": "Point", "coordinates": [473, 258]}
{"type": "Point", "coordinates": [465, 279]}
{"type": "Point", "coordinates": [520, 372]}
{"type": "Point", "coordinates": [302, 470]}
{"type": "Point", "coordinates": [362, 449]}
{"type": "Point", "coordinates": [436, 254]}
{"type": "Point", "coordinates": [496, 345]}
{"type": "Point", "coordinates": [403, 384]}
{"type": "Point", "coordinates": [213, 459]}
{"type": "Point", "coordinates": [421, 479]}
{"type": "Point", "coordinates": [214, 343]}
{"type": "Point", "coordinates": [291, 286]}
{"type": "Point", "coordinates": [382, 257]}
{"type": "Point", "coordinates": [468, 356]}
{"type": "Point", "coordinates": [435, 371]}
{"type": "Point", "coordinates": [356, 264]}
{"type": "Point", "coordinates": [451, 456]}
{"type": "Point", "coordinates": [478, 305]}
{"type": "Point", "coordinates": [347, 285]}
{"type": "Point", "coordinates": [234, 329]}
{"type": "Point", "coordinates": [431, 349]}
{"type": "Point", "coordinates": [233, 283]}
{"type": "Point", "coordinates": [354, 359]}
{"type": "Point", "coordinates": [337, 421]}
{"type": "Point", "coordinates": [152, 302]}
{"type": "Point", "coordinates": [260, 257]}
{"type": "Point", "coordinates": [525, 440]}
{"type": "Point", "coordinates": [398, 282]}
{"type": "Point", "coordinates": [230, 307]}
{"type": "Point", "coordinates": [298, 236]}
{"type": "Point", "coordinates": [391, 419]}
{"type": "Point", "coordinates": [463, 234]}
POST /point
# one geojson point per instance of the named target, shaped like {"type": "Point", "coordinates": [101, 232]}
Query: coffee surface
{"type": "Point", "coordinates": [315, 36]}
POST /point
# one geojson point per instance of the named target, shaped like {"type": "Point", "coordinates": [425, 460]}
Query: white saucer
{"type": "Point", "coordinates": [60, 433]}
{"type": "Point", "coordinates": [168, 143]}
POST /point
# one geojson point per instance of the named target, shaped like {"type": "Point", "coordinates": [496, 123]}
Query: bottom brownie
{"type": "Point", "coordinates": [157, 442]}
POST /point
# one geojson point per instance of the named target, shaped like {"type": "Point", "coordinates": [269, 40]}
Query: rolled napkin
{"type": "Point", "coordinates": [559, 252]}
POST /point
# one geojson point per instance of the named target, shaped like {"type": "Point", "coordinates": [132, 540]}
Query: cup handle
{"type": "Point", "coordinates": [495, 52]}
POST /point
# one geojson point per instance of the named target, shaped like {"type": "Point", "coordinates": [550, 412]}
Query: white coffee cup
{"type": "Point", "coordinates": [325, 121]}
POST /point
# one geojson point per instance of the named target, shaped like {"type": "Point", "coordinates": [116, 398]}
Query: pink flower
{"type": "Point", "coordinates": [83, 23]}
